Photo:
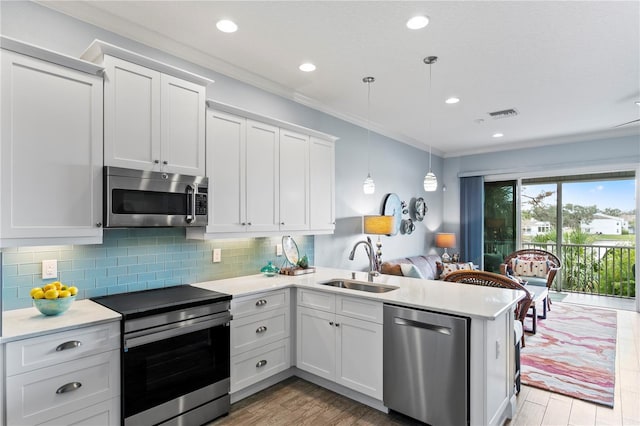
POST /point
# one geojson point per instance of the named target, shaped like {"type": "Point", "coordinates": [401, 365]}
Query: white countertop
{"type": "Point", "coordinates": [458, 299]}
{"type": "Point", "coordinates": [29, 322]}
{"type": "Point", "coordinates": [485, 303]}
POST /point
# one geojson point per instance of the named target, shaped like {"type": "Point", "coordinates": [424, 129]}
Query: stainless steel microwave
{"type": "Point", "coordinates": [137, 198]}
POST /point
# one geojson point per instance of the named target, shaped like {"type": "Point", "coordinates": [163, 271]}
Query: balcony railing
{"type": "Point", "coordinates": [595, 269]}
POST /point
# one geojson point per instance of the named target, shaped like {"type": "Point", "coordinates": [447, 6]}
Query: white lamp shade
{"type": "Point", "coordinates": [369, 187]}
{"type": "Point", "coordinates": [430, 182]}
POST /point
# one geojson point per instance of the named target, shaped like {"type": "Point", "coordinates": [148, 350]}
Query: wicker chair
{"type": "Point", "coordinates": [489, 279]}
{"type": "Point", "coordinates": [554, 265]}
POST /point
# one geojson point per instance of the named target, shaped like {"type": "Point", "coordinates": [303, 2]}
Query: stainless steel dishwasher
{"type": "Point", "coordinates": [426, 365]}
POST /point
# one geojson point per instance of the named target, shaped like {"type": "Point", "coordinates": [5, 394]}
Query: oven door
{"type": "Point", "coordinates": [181, 369]}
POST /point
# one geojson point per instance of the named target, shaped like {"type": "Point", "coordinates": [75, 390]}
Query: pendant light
{"type": "Point", "coordinates": [430, 180]}
{"type": "Point", "coordinates": [369, 187]}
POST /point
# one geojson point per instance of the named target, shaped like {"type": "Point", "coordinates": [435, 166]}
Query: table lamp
{"type": "Point", "coordinates": [378, 225]}
{"type": "Point", "coordinates": [445, 240]}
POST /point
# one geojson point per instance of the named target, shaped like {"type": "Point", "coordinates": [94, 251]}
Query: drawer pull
{"type": "Point", "coordinates": [261, 363]}
{"type": "Point", "coordinates": [261, 329]}
{"type": "Point", "coordinates": [68, 345]}
{"type": "Point", "coordinates": [331, 323]}
{"type": "Point", "coordinates": [69, 387]}
{"type": "Point", "coordinates": [261, 302]}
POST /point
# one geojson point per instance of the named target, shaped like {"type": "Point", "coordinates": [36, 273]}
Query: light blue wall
{"type": "Point", "coordinates": [395, 167]}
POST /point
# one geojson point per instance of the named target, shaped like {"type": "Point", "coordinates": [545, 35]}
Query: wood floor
{"type": "Point", "coordinates": [297, 402]}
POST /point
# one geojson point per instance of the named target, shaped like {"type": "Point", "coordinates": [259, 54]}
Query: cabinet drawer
{"type": "Point", "coordinates": [40, 395]}
{"type": "Point", "coordinates": [317, 300]}
{"type": "Point", "coordinates": [105, 413]}
{"type": "Point", "coordinates": [44, 351]}
{"type": "Point", "coordinates": [257, 330]}
{"type": "Point", "coordinates": [356, 307]}
{"type": "Point", "coordinates": [259, 303]}
{"type": "Point", "coordinates": [251, 367]}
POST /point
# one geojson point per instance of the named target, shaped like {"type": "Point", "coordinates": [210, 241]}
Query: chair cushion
{"type": "Point", "coordinates": [452, 267]}
{"type": "Point", "coordinates": [542, 282]}
{"type": "Point", "coordinates": [530, 268]}
{"type": "Point", "coordinates": [518, 330]}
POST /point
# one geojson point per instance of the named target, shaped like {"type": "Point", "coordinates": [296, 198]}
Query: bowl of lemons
{"type": "Point", "coordinates": [54, 298]}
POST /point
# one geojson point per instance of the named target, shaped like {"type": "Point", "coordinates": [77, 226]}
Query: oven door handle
{"type": "Point", "coordinates": [191, 204]}
{"type": "Point", "coordinates": [183, 327]}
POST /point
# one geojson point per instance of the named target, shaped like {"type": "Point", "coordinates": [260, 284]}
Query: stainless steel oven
{"type": "Point", "coordinates": [137, 198]}
{"type": "Point", "coordinates": [175, 355]}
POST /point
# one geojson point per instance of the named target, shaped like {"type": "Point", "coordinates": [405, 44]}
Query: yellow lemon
{"type": "Point", "coordinates": [34, 291]}
{"type": "Point", "coordinates": [50, 286]}
{"type": "Point", "coordinates": [58, 285]}
{"type": "Point", "coordinates": [73, 290]}
{"type": "Point", "coordinates": [64, 287]}
{"type": "Point", "coordinates": [64, 293]}
{"type": "Point", "coordinates": [51, 294]}
{"type": "Point", "coordinates": [38, 294]}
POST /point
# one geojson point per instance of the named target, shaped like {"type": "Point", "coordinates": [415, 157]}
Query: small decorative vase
{"type": "Point", "coordinates": [270, 270]}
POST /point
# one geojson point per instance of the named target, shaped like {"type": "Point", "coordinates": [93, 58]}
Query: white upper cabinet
{"type": "Point", "coordinates": [321, 184]}
{"type": "Point", "coordinates": [50, 152]}
{"type": "Point", "coordinates": [154, 113]}
{"type": "Point", "coordinates": [266, 176]}
{"type": "Point", "coordinates": [153, 121]}
{"type": "Point", "coordinates": [294, 181]}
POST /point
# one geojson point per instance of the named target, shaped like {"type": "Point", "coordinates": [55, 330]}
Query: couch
{"type": "Point", "coordinates": [427, 267]}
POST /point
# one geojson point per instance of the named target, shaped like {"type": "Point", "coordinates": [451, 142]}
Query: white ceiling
{"type": "Point", "coordinates": [570, 68]}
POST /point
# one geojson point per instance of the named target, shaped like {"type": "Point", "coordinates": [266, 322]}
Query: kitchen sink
{"type": "Point", "coordinates": [359, 285]}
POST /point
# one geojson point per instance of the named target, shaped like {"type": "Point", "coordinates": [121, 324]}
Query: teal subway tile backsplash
{"type": "Point", "coordinates": [137, 259]}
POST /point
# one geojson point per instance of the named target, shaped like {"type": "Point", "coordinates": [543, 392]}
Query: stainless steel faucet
{"type": "Point", "coordinates": [372, 261]}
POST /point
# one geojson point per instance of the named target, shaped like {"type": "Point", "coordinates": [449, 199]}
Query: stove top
{"type": "Point", "coordinates": [149, 302]}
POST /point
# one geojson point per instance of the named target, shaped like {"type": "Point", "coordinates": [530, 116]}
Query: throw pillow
{"type": "Point", "coordinates": [410, 270]}
{"type": "Point", "coordinates": [448, 268]}
{"type": "Point", "coordinates": [390, 268]}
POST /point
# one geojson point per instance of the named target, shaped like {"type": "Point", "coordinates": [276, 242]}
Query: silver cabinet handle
{"type": "Point", "coordinates": [261, 302]}
{"type": "Point", "coordinates": [249, 223]}
{"type": "Point", "coordinates": [331, 323]}
{"type": "Point", "coordinates": [281, 223]}
{"type": "Point", "coordinates": [165, 162]}
{"type": "Point", "coordinates": [261, 329]}
{"type": "Point", "coordinates": [69, 387]}
{"type": "Point", "coordinates": [98, 224]}
{"type": "Point", "coordinates": [243, 223]}
{"type": "Point", "coordinates": [156, 161]}
{"type": "Point", "coordinates": [261, 363]}
{"type": "Point", "coordinates": [337, 324]}
{"type": "Point", "coordinates": [68, 345]}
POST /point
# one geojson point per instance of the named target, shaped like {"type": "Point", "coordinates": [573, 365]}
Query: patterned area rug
{"type": "Point", "coordinates": [573, 353]}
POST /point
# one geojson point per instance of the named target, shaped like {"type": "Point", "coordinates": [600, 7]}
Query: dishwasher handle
{"type": "Point", "coordinates": [432, 327]}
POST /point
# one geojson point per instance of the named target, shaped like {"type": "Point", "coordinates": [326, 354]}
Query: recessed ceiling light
{"type": "Point", "coordinates": [307, 67]}
{"type": "Point", "coordinates": [452, 100]}
{"type": "Point", "coordinates": [497, 135]}
{"type": "Point", "coordinates": [227, 26]}
{"type": "Point", "coordinates": [417, 22]}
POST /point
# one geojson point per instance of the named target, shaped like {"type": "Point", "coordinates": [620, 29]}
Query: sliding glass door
{"type": "Point", "coordinates": [499, 223]}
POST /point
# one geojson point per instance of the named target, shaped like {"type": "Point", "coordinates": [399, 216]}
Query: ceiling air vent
{"type": "Point", "coordinates": [505, 113]}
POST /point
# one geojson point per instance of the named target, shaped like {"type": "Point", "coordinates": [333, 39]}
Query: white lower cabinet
{"type": "Point", "coordinates": [260, 337]}
{"type": "Point", "coordinates": [334, 342]}
{"type": "Point", "coordinates": [76, 381]}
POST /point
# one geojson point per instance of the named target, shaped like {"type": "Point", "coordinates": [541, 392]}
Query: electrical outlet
{"type": "Point", "coordinates": [49, 269]}
{"type": "Point", "coordinates": [217, 255]}
{"type": "Point", "coordinates": [278, 249]}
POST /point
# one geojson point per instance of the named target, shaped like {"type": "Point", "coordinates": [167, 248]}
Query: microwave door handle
{"type": "Point", "coordinates": [191, 204]}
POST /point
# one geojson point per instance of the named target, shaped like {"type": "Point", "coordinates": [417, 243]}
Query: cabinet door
{"type": "Point", "coordinates": [226, 145]}
{"type": "Point", "coordinates": [321, 185]}
{"type": "Point", "coordinates": [262, 177]}
{"type": "Point", "coordinates": [294, 181]}
{"type": "Point", "coordinates": [131, 115]}
{"type": "Point", "coordinates": [359, 355]}
{"type": "Point", "coordinates": [316, 342]}
{"type": "Point", "coordinates": [182, 141]}
{"type": "Point", "coordinates": [51, 150]}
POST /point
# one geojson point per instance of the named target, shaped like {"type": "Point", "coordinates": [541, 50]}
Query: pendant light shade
{"type": "Point", "coordinates": [369, 187]}
{"type": "Point", "coordinates": [430, 182]}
